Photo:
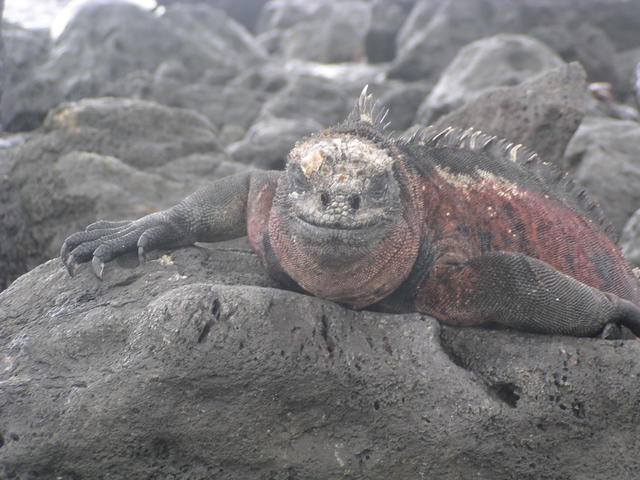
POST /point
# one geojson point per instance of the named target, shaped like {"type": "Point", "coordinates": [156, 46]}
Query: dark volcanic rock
{"type": "Point", "coordinates": [24, 101]}
{"type": "Point", "coordinates": [542, 113]}
{"type": "Point", "coordinates": [106, 42]}
{"type": "Point", "coordinates": [434, 33]}
{"type": "Point", "coordinates": [403, 100]}
{"type": "Point", "coordinates": [246, 12]}
{"type": "Point", "coordinates": [335, 33]}
{"type": "Point", "coordinates": [2, 60]}
{"type": "Point", "coordinates": [604, 156]}
{"type": "Point", "coordinates": [586, 44]}
{"type": "Point", "coordinates": [192, 367]}
{"type": "Point", "coordinates": [88, 161]}
{"type": "Point", "coordinates": [310, 98]}
{"type": "Point", "coordinates": [386, 20]}
{"type": "Point", "coordinates": [268, 142]}
{"type": "Point", "coordinates": [435, 30]}
{"type": "Point", "coordinates": [630, 239]}
{"type": "Point", "coordinates": [500, 60]}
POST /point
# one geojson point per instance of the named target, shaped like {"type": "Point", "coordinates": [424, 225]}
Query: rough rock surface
{"type": "Point", "coordinates": [604, 155]}
{"type": "Point", "coordinates": [106, 42]}
{"type": "Point", "coordinates": [386, 20]}
{"type": "Point", "coordinates": [309, 98]}
{"type": "Point", "coordinates": [335, 33]}
{"type": "Point", "coordinates": [97, 157]}
{"type": "Point", "coordinates": [500, 60]}
{"type": "Point", "coordinates": [586, 44]}
{"type": "Point", "coordinates": [542, 113]}
{"type": "Point", "coordinates": [2, 57]}
{"type": "Point", "coordinates": [23, 103]}
{"type": "Point", "coordinates": [167, 370]}
{"type": "Point", "coordinates": [435, 30]}
{"type": "Point", "coordinates": [268, 143]}
{"type": "Point", "coordinates": [629, 243]}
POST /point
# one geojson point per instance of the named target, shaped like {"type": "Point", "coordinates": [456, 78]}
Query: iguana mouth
{"type": "Point", "coordinates": [336, 226]}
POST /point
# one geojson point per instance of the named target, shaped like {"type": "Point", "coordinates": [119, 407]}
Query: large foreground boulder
{"type": "Point", "coordinates": [194, 367]}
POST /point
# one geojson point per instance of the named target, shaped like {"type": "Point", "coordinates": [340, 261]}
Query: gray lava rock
{"type": "Point", "coordinates": [386, 20]}
{"type": "Point", "coordinates": [630, 239]}
{"type": "Point", "coordinates": [22, 103]}
{"type": "Point", "coordinates": [282, 14]}
{"type": "Point", "coordinates": [222, 105]}
{"type": "Point", "coordinates": [433, 34]}
{"type": "Point", "coordinates": [193, 366]}
{"type": "Point", "coordinates": [403, 100]}
{"type": "Point", "coordinates": [88, 162]}
{"type": "Point", "coordinates": [156, 134]}
{"type": "Point", "coordinates": [310, 98]}
{"type": "Point", "coordinates": [501, 60]}
{"type": "Point", "coordinates": [106, 42]}
{"type": "Point", "coordinates": [542, 113]}
{"type": "Point", "coordinates": [435, 30]}
{"type": "Point", "coordinates": [604, 156]}
{"type": "Point", "coordinates": [245, 12]}
{"type": "Point", "coordinates": [268, 142]}
{"type": "Point", "coordinates": [2, 60]}
{"type": "Point", "coordinates": [335, 33]}
{"type": "Point", "coordinates": [586, 44]}
{"type": "Point", "coordinates": [627, 65]}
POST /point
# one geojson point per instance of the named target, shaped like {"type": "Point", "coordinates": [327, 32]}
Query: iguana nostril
{"type": "Point", "coordinates": [354, 202]}
{"type": "Point", "coordinates": [324, 198]}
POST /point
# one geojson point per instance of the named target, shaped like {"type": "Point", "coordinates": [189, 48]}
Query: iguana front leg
{"type": "Point", "coordinates": [521, 292]}
{"type": "Point", "coordinates": [215, 213]}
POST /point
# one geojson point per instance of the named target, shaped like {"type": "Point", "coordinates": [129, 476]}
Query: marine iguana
{"type": "Point", "coordinates": [460, 225]}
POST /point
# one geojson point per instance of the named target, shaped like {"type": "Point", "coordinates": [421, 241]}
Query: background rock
{"type": "Point", "coordinates": [267, 143]}
{"type": "Point", "coordinates": [403, 101]}
{"type": "Point", "coordinates": [88, 161]}
{"type": "Point", "coordinates": [23, 104]}
{"type": "Point", "coordinates": [336, 33]}
{"type": "Point", "coordinates": [106, 42]}
{"type": "Point", "coordinates": [386, 20]}
{"type": "Point", "coordinates": [604, 157]}
{"type": "Point", "coordinates": [629, 239]}
{"type": "Point", "coordinates": [542, 113]}
{"type": "Point", "coordinates": [586, 44]}
{"type": "Point", "coordinates": [501, 60]}
{"type": "Point", "coordinates": [436, 30]}
{"type": "Point", "coordinates": [2, 57]}
{"type": "Point", "coordinates": [246, 12]}
{"type": "Point", "coordinates": [309, 98]}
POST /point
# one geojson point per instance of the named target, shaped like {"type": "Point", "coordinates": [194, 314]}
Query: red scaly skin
{"type": "Point", "coordinates": [472, 221]}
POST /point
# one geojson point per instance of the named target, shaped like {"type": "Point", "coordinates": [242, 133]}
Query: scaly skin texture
{"type": "Point", "coordinates": [458, 225]}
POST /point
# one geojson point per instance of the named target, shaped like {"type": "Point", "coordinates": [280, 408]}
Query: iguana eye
{"type": "Point", "coordinates": [299, 180]}
{"type": "Point", "coordinates": [378, 185]}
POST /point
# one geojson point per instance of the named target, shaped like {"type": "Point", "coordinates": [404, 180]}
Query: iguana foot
{"type": "Point", "coordinates": [627, 313]}
{"type": "Point", "coordinates": [102, 241]}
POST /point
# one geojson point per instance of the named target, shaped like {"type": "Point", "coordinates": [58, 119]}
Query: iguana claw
{"type": "Point", "coordinates": [70, 264]}
{"type": "Point", "coordinates": [141, 256]}
{"type": "Point", "coordinates": [97, 266]}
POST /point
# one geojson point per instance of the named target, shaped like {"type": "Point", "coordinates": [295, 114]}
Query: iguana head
{"type": "Point", "coordinates": [341, 216]}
